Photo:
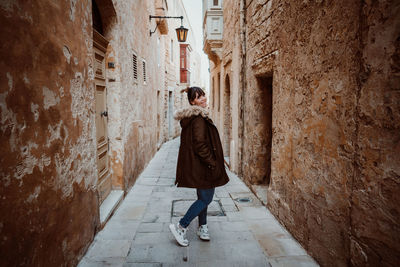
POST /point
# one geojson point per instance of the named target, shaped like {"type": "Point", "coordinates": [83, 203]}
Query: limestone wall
{"type": "Point", "coordinates": [231, 61]}
{"type": "Point", "coordinates": [375, 227]}
{"type": "Point", "coordinates": [319, 98]}
{"type": "Point", "coordinates": [334, 169]}
{"type": "Point", "coordinates": [48, 163]}
{"type": "Point", "coordinates": [48, 169]}
{"type": "Point", "coordinates": [137, 98]}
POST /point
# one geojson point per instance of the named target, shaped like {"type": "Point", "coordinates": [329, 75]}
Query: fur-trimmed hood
{"type": "Point", "coordinates": [191, 111]}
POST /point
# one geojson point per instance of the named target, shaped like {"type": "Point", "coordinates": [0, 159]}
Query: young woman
{"type": "Point", "coordinates": [200, 162]}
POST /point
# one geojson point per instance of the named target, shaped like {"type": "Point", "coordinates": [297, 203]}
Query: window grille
{"type": "Point", "coordinates": [144, 71]}
{"type": "Point", "coordinates": [134, 67]}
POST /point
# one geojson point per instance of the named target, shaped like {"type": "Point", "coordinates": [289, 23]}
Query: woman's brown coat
{"type": "Point", "coordinates": [200, 158]}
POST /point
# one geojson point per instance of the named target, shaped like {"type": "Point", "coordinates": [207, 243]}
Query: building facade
{"type": "Point", "coordinates": [223, 102]}
{"type": "Point", "coordinates": [305, 93]}
{"type": "Point", "coordinates": [85, 100]}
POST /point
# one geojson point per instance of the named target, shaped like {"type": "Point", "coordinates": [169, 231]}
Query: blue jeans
{"type": "Point", "coordinates": [198, 208]}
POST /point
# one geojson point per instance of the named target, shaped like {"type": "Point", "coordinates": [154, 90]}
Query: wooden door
{"type": "Point", "coordinates": [103, 164]}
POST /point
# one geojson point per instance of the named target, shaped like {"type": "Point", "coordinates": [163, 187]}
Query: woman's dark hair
{"type": "Point", "coordinates": [193, 93]}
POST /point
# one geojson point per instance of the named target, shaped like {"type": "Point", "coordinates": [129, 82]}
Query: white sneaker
{"type": "Point", "coordinates": [203, 233]}
{"type": "Point", "coordinates": [179, 233]}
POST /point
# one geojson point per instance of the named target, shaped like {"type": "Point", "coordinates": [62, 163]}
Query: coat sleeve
{"type": "Point", "coordinates": [201, 142]}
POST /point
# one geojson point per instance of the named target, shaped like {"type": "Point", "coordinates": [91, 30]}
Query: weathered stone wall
{"type": "Point", "coordinates": [335, 169]}
{"type": "Point", "coordinates": [47, 108]}
{"type": "Point", "coordinates": [231, 60]}
{"type": "Point", "coordinates": [138, 98]}
{"type": "Point", "coordinates": [215, 89]}
{"type": "Point", "coordinates": [48, 172]}
{"type": "Point", "coordinates": [171, 128]}
{"type": "Point", "coordinates": [375, 211]}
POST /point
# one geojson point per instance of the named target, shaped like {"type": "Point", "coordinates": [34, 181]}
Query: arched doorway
{"type": "Point", "coordinates": [227, 118]}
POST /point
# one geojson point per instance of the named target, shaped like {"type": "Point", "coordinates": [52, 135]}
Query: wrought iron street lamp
{"type": "Point", "coordinates": [181, 32]}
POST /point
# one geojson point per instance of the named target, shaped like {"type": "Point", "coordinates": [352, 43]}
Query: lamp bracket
{"type": "Point", "coordinates": [163, 17]}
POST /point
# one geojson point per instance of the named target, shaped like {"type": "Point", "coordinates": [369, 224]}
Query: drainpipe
{"type": "Point", "coordinates": [242, 29]}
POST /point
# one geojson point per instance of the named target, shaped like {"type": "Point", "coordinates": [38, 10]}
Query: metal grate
{"type": "Point", "coordinates": [134, 66]}
{"type": "Point", "coordinates": [180, 207]}
{"type": "Point", "coordinates": [243, 199]}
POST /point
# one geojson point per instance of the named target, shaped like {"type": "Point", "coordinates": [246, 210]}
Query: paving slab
{"type": "Point", "coordinates": [118, 230]}
{"type": "Point", "coordinates": [293, 261]}
{"type": "Point", "coordinates": [150, 227]}
{"type": "Point", "coordinates": [107, 262]}
{"type": "Point", "coordinates": [102, 250]}
{"type": "Point", "coordinates": [242, 233]}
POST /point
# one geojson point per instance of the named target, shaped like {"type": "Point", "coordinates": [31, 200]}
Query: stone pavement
{"type": "Point", "coordinates": [243, 232]}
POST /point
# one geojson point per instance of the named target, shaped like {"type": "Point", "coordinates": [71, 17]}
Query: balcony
{"type": "Point", "coordinates": [161, 10]}
{"type": "Point", "coordinates": [213, 29]}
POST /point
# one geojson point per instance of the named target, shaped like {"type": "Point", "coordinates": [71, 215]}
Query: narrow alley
{"type": "Point", "coordinates": [299, 99]}
{"type": "Point", "coordinates": [242, 233]}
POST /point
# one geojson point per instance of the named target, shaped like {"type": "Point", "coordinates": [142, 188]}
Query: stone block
{"type": "Point", "coordinates": [150, 227]}
{"type": "Point", "coordinates": [157, 217]}
{"type": "Point", "coordinates": [234, 226]}
{"type": "Point", "coordinates": [118, 230]}
{"type": "Point", "coordinates": [103, 249]}
{"type": "Point", "coordinates": [180, 207]}
{"type": "Point", "coordinates": [152, 238]}
{"type": "Point", "coordinates": [278, 247]}
{"type": "Point", "coordinates": [292, 261]}
{"type": "Point", "coordinates": [106, 262]}
{"type": "Point", "coordinates": [156, 253]}
{"type": "Point", "coordinates": [129, 211]}
{"type": "Point", "coordinates": [255, 213]}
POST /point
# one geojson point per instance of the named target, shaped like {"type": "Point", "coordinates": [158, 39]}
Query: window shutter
{"type": "Point", "coordinates": [134, 66]}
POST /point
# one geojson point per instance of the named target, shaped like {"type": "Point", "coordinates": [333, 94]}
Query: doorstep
{"type": "Point", "coordinates": [109, 205]}
{"type": "Point", "coordinates": [261, 192]}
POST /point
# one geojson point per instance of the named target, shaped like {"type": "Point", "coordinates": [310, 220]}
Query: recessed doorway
{"type": "Point", "coordinates": [263, 155]}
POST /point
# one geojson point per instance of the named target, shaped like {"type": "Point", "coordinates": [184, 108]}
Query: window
{"type": "Point", "coordinates": [158, 52]}
{"type": "Point", "coordinates": [184, 63]}
{"type": "Point", "coordinates": [172, 50]}
{"type": "Point", "coordinates": [219, 90]}
{"type": "Point", "coordinates": [144, 71]}
{"type": "Point", "coordinates": [134, 67]}
{"type": "Point", "coordinates": [212, 93]}
{"type": "Point", "coordinates": [216, 3]}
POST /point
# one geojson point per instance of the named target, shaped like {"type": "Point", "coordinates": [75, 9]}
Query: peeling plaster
{"type": "Point", "coordinates": [34, 166]}
{"type": "Point", "coordinates": [82, 153]}
{"type": "Point", "coordinates": [61, 91]}
{"type": "Point", "coordinates": [26, 79]}
{"type": "Point", "coordinates": [8, 120]}
{"type": "Point", "coordinates": [8, 6]}
{"type": "Point", "coordinates": [90, 70]}
{"type": "Point", "coordinates": [67, 53]}
{"type": "Point", "coordinates": [44, 161]}
{"type": "Point", "coordinates": [10, 81]}
{"type": "Point", "coordinates": [50, 98]}
{"type": "Point", "coordinates": [72, 10]}
{"type": "Point", "coordinates": [54, 133]}
{"type": "Point", "coordinates": [6, 179]}
{"type": "Point", "coordinates": [76, 95]}
{"type": "Point", "coordinates": [34, 195]}
{"type": "Point", "coordinates": [69, 169]}
{"type": "Point", "coordinates": [34, 109]}
{"type": "Point", "coordinates": [28, 163]}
